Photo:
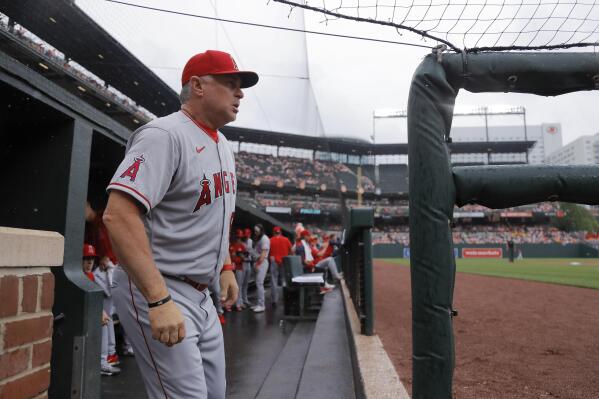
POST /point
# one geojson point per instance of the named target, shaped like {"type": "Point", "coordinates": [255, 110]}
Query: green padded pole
{"type": "Point", "coordinates": [432, 195]}
{"type": "Point", "coordinates": [432, 192]}
{"type": "Point", "coordinates": [507, 186]}
{"type": "Point", "coordinates": [545, 74]}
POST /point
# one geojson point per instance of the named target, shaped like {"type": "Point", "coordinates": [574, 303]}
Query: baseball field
{"type": "Point", "coordinates": [528, 329]}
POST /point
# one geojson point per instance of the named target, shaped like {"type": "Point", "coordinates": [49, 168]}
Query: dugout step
{"type": "Point", "coordinates": [328, 371]}
{"type": "Point", "coordinates": [285, 374]}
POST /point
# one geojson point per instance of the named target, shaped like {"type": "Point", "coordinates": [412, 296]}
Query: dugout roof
{"type": "Point", "coordinates": [353, 147]}
{"type": "Point", "coordinates": [66, 27]}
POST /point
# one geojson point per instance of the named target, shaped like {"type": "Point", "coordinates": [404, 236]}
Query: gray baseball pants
{"type": "Point", "coordinates": [330, 265]}
{"type": "Point", "coordinates": [243, 280]}
{"type": "Point", "coordinates": [192, 369]}
{"type": "Point", "coordinates": [275, 269]}
{"type": "Point", "coordinates": [260, 276]}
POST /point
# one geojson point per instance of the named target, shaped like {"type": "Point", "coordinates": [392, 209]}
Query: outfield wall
{"type": "Point", "coordinates": [492, 250]}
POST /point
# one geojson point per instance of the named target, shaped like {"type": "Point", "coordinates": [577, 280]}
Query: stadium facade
{"type": "Point", "coordinates": [582, 151]}
{"type": "Point", "coordinates": [547, 138]}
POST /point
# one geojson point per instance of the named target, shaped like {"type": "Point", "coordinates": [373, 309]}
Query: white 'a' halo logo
{"type": "Point", "coordinates": [234, 64]}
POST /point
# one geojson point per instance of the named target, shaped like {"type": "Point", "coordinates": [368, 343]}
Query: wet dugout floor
{"type": "Point", "coordinates": [252, 345]}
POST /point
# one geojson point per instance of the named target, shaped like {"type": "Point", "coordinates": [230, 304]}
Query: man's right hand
{"type": "Point", "coordinates": [167, 323]}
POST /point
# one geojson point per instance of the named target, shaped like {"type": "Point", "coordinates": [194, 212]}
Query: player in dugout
{"type": "Point", "coordinates": [169, 214]}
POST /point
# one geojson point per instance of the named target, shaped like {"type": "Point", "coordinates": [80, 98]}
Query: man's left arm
{"type": "Point", "coordinates": [228, 285]}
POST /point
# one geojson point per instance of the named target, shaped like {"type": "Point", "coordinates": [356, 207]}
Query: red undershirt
{"type": "Point", "coordinates": [209, 131]}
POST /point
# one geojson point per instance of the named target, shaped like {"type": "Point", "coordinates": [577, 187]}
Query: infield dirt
{"type": "Point", "coordinates": [514, 338]}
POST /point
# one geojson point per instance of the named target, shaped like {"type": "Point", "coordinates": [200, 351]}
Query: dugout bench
{"type": "Point", "coordinates": [301, 294]}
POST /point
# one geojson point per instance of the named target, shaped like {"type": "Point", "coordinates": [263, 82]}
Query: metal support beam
{"type": "Point", "coordinates": [77, 336]}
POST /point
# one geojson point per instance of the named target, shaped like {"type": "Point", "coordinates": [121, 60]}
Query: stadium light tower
{"type": "Point", "coordinates": [376, 164]}
{"type": "Point", "coordinates": [486, 111]}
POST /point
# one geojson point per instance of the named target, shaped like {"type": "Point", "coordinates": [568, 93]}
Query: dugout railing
{"type": "Point", "coordinates": [356, 262]}
{"type": "Point", "coordinates": [435, 186]}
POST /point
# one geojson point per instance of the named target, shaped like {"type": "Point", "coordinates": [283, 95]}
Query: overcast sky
{"type": "Point", "coordinates": [306, 76]}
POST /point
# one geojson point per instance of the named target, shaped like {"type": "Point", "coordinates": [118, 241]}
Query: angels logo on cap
{"type": "Point", "coordinates": [234, 63]}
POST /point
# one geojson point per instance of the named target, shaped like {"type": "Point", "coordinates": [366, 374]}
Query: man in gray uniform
{"type": "Point", "coordinates": [261, 248]}
{"type": "Point", "coordinates": [169, 213]}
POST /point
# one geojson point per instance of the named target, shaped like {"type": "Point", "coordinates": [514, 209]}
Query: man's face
{"type": "Point", "coordinates": [222, 96]}
{"type": "Point", "coordinates": [88, 264]}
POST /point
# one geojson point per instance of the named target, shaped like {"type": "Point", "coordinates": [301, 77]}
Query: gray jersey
{"type": "Point", "coordinates": [186, 182]}
{"type": "Point", "coordinates": [262, 244]}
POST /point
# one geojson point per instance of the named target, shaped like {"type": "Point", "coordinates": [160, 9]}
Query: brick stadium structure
{"type": "Point", "coordinates": [27, 287]}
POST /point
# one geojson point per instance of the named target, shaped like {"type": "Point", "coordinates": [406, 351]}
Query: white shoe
{"type": "Point", "coordinates": [128, 351]}
{"type": "Point", "coordinates": [258, 309]}
{"type": "Point", "coordinates": [107, 369]}
{"type": "Point", "coordinates": [329, 286]}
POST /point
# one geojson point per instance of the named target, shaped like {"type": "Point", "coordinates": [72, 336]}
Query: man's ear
{"type": "Point", "coordinates": [197, 86]}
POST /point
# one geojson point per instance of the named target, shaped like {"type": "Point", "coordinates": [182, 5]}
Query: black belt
{"type": "Point", "coordinates": [198, 286]}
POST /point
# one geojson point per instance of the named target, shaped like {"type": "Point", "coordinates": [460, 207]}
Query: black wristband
{"type": "Point", "coordinates": [160, 302]}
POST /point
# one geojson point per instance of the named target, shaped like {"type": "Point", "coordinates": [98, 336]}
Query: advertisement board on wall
{"type": "Point", "coordinates": [278, 209]}
{"type": "Point", "coordinates": [482, 252]}
{"type": "Point", "coordinates": [516, 214]}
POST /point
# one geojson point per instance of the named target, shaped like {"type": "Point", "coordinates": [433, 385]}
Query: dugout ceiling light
{"type": "Point", "coordinates": [43, 65]}
{"type": "Point", "coordinates": [52, 19]}
{"type": "Point", "coordinates": [82, 89]}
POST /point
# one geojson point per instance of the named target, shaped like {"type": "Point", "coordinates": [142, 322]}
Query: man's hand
{"type": "Point", "coordinates": [167, 323]}
{"type": "Point", "coordinates": [228, 288]}
{"type": "Point", "coordinates": [105, 318]}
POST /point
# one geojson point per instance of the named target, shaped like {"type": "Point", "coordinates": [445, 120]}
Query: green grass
{"type": "Point", "coordinates": [556, 271]}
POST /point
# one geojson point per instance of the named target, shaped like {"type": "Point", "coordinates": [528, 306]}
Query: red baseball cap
{"type": "Point", "coordinates": [276, 229]}
{"type": "Point", "coordinates": [305, 233]}
{"type": "Point", "coordinates": [214, 62]}
{"type": "Point", "coordinates": [89, 251]}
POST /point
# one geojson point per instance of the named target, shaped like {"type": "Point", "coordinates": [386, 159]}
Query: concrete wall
{"type": "Point", "coordinates": [26, 299]}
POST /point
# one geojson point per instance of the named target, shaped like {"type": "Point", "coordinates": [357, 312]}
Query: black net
{"type": "Point", "coordinates": [475, 25]}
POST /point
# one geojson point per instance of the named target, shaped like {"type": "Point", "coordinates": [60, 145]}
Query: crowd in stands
{"type": "Point", "coordinates": [542, 207]}
{"type": "Point", "coordinates": [329, 229]}
{"type": "Point", "coordinates": [383, 207]}
{"type": "Point", "coordinates": [499, 234]}
{"type": "Point", "coordinates": [391, 235]}
{"type": "Point", "coordinates": [302, 173]}
{"type": "Point", "coordinates": [488, 234]}
{"type": "Point", "coordinates": [296, 202]}
{"type": "Point", "coordinates": [73, 69]}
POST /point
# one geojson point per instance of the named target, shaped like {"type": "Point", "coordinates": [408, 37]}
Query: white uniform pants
{"type": "Point", "coordinates": [108, 339]}
{"type": "Point", "coordinates": [243, 280]}
{"type": "Point", "coordinates": [192, 369]}
{"type": "Point", "coordinates": [330, 265]}
{"type": "Point", "coordinates": [275, 269]}
{"type": "Point", "coordinates": [260, 276]}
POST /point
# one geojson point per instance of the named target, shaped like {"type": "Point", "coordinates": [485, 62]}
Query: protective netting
{"type": "Point", "coordinates": [475, 25]}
